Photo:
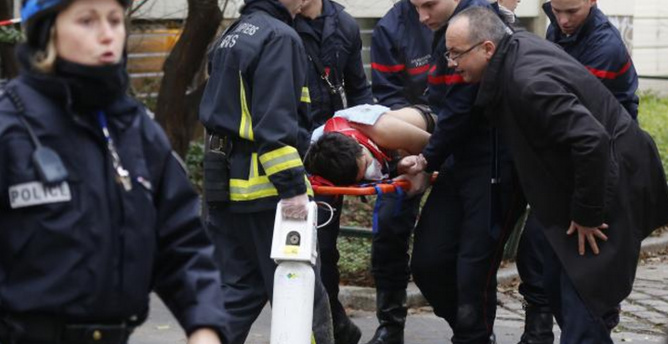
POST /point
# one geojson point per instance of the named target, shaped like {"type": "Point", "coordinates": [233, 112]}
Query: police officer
{"type": "Point", "coordinates": [336, 80]}
{"type": "Point", "coordinates": [474, 203]}
{"type": "Point", "coordinates": [96, 211]}
{"type": "Point", "coordinates": [585, 33]}
{"type": "Point", "coordinates": [400, 62]}
{"type": "Point", "coordinates": [255, 105]}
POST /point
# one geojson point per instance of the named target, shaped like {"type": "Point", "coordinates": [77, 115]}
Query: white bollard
{"type": "Point", "coordinates": [293, 248]}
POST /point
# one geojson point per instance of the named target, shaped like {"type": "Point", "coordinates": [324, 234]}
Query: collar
{"type": "Point", "coordinates": [271, 7]}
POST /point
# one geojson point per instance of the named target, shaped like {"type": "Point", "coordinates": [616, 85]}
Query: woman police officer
{"type": "Point", "coordinates": [95, 210]}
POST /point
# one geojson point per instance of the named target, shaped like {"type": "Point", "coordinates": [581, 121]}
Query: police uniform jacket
{"type": "Point", "coordinates": [338, 46]}
{"type": "Point", "coordinates": [87, 250]}
{"type": "Point", "coordinates": [461, 130]}
{"type": "Point", "coordinates": [256, 96]}
{"type": "Point", "coordinates": [400, 57]}
{"type": "Point", "coordinates": [600, 48]}
{"type": "Point", "coordinates": [580, 157]}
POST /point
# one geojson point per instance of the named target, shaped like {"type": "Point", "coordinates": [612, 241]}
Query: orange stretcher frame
{"type": "Point", "coordinates": [366, 189]}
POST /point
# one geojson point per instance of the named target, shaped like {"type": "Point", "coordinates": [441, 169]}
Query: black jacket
{"type": "Point", "coordinates": [600, 48]}
{"type": "Point", "coordinates": [580, 157]}
{"type": "Point", "coordinates": [400, 57]}
{"type": "Point", "coordinates": [98, 255]}
{"type": "Point", "coordinates": [338, 48]}
{"type": "Point", "coordinates": [256, 96]}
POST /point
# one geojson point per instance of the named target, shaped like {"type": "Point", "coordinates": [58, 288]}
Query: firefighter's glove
{"type": "Point", "coordinates": [295, 207]}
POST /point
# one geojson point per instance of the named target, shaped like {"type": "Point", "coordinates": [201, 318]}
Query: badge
{"type": "Point", "coordinates": [36, 193]}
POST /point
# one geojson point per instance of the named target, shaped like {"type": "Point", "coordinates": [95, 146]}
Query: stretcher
{"type": "Point", "coordinates": [363, 189]}
{"type": "Point", "coordinates": [324, 188]}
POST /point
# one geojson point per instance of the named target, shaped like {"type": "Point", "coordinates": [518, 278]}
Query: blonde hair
{"type": "Point", "coordinates": [44, 60]}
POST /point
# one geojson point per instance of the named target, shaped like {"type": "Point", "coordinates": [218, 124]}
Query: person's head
{"type": "Point", "coordinates": [509, 4]}
{"type": "Point", "coordinates": [337, 158]}
{"type": "Point", "coordinates": [571, 14]}
{"type": "Point", "coordinates": [471, 41]}
{"type": "Point", "coordinates": [293, 6]}
{"type": "Point", "coordinates": [87, 32]}
{"type": "Point", "coordinates": [435, 13]}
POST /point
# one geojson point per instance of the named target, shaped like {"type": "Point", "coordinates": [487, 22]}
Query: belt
{"type": "Point", "coordinates": [52, 330]}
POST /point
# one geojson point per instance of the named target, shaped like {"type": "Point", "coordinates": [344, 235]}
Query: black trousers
{"type": "Point", "coordinates": [530, 262]}
{"type": "Point", "coordinates": [458, 246]}
{"type": "Point", "coordinates": [329, 253]}
{"type": "Point", "coordinates": [389, 250]}
{"type": "Point", "coordinates": [242, 250]}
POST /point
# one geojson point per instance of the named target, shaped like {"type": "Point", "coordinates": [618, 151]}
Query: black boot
{"type": "Point", "coordinates": [391, 312]}
{"type": "Point", "coordinates": [538, 323]}
{"type": "Point", "coordinates": [345, 330]}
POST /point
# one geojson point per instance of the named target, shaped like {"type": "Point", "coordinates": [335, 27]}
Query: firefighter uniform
{"type": "Point", "coordinates": [400, 62]}
{"type": "Point", "coordinates": [471, 209]}
{"type": "Point", "coordinates": [255, 104]}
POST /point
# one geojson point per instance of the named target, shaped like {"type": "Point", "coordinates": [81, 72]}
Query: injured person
{"type": "Point", "coordinates": [366, 142]}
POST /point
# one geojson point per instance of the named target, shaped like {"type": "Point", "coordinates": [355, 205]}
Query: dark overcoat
{"type": "Point", "coordinates": [580, 157]}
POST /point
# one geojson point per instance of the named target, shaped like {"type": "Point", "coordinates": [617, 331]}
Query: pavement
{"type": "Point", "coordinates": [644, 317]}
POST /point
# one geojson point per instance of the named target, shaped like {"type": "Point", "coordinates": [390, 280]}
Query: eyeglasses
{"type": "Point", "coordinates": [453, 59]}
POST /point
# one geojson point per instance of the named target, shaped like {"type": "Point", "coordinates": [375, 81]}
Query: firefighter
{"type": "Point", "coordinates": [255, 105]}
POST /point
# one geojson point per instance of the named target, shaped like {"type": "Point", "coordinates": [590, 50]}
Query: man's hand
{"type": "Point", "coordinates": [204, 336]}
{"type": "Point", "coordinates": [589, 234]}
{"type": "Point", "coordinates": [419, 182]}
{"type": "Point", "coordinates": [412, 164]}
{"type": "Point", "coordinates": [295, 207]}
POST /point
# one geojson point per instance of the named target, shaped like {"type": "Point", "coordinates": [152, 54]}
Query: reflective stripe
{"type": "Point", "coordinates": [280, 160]}
{"type": "Point", "coordinates": [603, 74]}
{"type": "Point", "coordinates": [248, 190]}
{"type": "Point", "coordinates": [253, 166]}
{"type": "Point", "coordinates": [246, 125]}
{"type": "Point", "coordinates": [306, 96]}
{"type": "Point", "coordinates": [309, 188]}
{"type": "Point", "coordinates": [387, 69]}
{"type": "Point", "coordinates": [256, 188]}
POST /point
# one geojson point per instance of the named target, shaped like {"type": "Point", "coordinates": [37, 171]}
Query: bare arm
{"type": "Point", "coordinates": [402, 129]}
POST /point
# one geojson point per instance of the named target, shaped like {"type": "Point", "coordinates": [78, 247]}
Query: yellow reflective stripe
{"type": "Point", "coordinates": [309, 188]}
{"type": "Point", "coordinates": [280, 160]}
{"type": "Point", "coordinates": [306, 96]}
{"type": "Point", "coordinates": [248, 190]}
{"type": "Point", "coordinates": [254, 172]}
{"type": "Point", "coordinates": [313, 338]}
{"type": "Point", "coordinates": [246, 125]}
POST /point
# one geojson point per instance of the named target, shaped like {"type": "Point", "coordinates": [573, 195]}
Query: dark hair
{"type": "Point", "coordinates": [484, 25]}
{"type": "Point", "coordinates": [334, 157]}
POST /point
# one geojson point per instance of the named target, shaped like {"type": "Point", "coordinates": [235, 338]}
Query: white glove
{"type": "Point", "coordinates": [295, 207]}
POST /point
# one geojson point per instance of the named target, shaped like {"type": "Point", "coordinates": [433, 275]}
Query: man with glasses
{"type": "Point", "coordinates": [594, 179]}
{"type": "Point", "coordinates": [473, 205]}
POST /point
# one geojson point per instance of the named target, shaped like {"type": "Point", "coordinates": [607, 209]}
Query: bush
{"type": "Point", "coordinates": [653, 117]}
{"type": "Point", "coordinates": [195, 164]}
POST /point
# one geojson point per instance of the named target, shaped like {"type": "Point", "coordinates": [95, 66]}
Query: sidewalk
{"type": "Point", "coordinates": [644, 312]}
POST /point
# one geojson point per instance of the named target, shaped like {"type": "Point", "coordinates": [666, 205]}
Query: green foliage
{"type": "Point", "coordinates": [195, 164]}
{"type": "Point", "coordinates": [355, 261]}
{"type": "Point", "coordinates": [9, 34]}
{"type": "Point", "coordinates": [653, 117]}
